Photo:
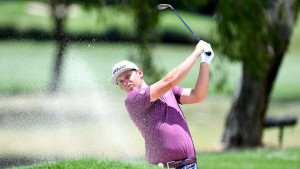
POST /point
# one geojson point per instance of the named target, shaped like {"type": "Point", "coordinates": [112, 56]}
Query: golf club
{"type": "Point", "coordinates": [165, 6]}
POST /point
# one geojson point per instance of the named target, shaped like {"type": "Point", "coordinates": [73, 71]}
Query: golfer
{"type": "Point", "coordinates": [155, 111]}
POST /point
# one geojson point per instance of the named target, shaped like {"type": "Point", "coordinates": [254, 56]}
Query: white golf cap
{"type": "Point", "coordinates": [119, 68]}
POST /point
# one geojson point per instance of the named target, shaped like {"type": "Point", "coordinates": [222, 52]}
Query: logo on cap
{"type": "Point", "coordinates": [119, 68]}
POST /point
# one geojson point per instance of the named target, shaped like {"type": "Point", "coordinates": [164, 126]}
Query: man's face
{"type": "Point", "coordinates": [130, 80]}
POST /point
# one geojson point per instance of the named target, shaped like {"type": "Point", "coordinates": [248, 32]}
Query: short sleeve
{"type": "Point", "coordinates": [137, 101]}
{"type": "Point", "coordinates": [177, 93]}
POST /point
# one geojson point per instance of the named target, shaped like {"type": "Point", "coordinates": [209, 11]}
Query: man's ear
{"type": "Point", "coordinates": [140, 73]}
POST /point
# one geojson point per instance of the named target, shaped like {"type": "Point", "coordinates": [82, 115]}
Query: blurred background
{"type": "Point", "coordinates": [56, 58]}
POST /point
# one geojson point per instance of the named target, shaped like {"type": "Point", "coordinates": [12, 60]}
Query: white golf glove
{"type": "Point", "coordinates": [200, 46]}
{"type": "Point", "coordinates": [204, 57]}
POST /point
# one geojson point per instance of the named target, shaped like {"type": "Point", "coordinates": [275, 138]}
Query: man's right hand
{"type": "Point", "coordinates": [200, 47]}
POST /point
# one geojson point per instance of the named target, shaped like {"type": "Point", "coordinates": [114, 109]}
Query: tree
{"type": "Point", "coordinates": [59, 9]}
{"type": "Point", "coordinates": [146, 15]}
{"type": "Point", "coordinates": [257, 34]}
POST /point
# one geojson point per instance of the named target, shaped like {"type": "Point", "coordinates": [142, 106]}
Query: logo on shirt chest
{"type": "Point", "coordinates": [142, 92]}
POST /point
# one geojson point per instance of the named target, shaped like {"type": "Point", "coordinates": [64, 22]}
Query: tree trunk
{"type": "Point", "coordinates": [61, 46]}
{"type": "Point", "coordinates": [59, 12]}
{"type": "Point", "coordinates": [146, 16]}
{"type": "Point", "coordinates": [244, 124]}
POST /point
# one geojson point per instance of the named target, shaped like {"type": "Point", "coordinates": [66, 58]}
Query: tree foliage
{"type": "Point", "coordinates": [246, 32]}
{"type": "Point", "coordinates": [257, 34]}
{"type": "Point", "coordinates": [146, 16]}
{"type": "Point", "coordinates": [243, 32]}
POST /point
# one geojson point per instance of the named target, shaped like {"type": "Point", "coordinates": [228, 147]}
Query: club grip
{"type": "Point", "coordinates": [208, 53]}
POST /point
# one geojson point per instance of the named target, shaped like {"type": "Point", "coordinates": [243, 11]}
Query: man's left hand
{"type": "Point", "coordinates": [204, 57]}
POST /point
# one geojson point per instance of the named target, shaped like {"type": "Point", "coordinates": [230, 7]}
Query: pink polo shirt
{"type": "Point", "coordinates": [162, 124]}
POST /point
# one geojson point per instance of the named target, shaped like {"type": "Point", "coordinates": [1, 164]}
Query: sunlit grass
{"type": "Point", "coordinates": [27, 66]}
{"type": "Point", "coordinates": [247, 159]}
{"type": "Point", "coordinates": [252, 159]}
{"type": "Point", "coordinates": [92, 164]}
{"type": "Point", "coordinates": [36, 15]}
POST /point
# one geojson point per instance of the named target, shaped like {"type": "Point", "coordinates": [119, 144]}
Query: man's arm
{"type": "Point", "coordinates": [198, 94]}
{"type": "Point", "coordinates": [174, 77]}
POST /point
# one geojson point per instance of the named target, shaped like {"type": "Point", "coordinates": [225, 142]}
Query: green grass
{"type": "Point", "coordinates": [32, 15]}
{"type": "Point", "coordinates": [16, 14]}
{"type": "Point", "coordinates": [26, 66]}
{"type": "Point", "coordinates": [34, 60]}
{"type": "Point", "coordinates": [24, 16]}
{"type": "Point", "coordinates": [247, 159]}
{"type": "Point", "coordinates": [252, 159]}
{"type": "Point", "coordinates": [91, 164]}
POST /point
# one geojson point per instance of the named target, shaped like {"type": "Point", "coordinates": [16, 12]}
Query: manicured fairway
{"type": "Point", "coordinates": [247, 159]}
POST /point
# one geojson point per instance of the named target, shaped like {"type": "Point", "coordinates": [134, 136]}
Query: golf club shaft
{"type": "Point", "coordinates": [185, 24]}
{"type": "Point", "coordinates": [207, 53]}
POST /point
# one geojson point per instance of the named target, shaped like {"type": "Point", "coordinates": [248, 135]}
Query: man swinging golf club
{"type": "Point", "coordinates": [155, 111]}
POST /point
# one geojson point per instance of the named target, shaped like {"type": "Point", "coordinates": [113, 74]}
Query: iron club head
{"type": "Point", "coordinates": [163, 6]}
